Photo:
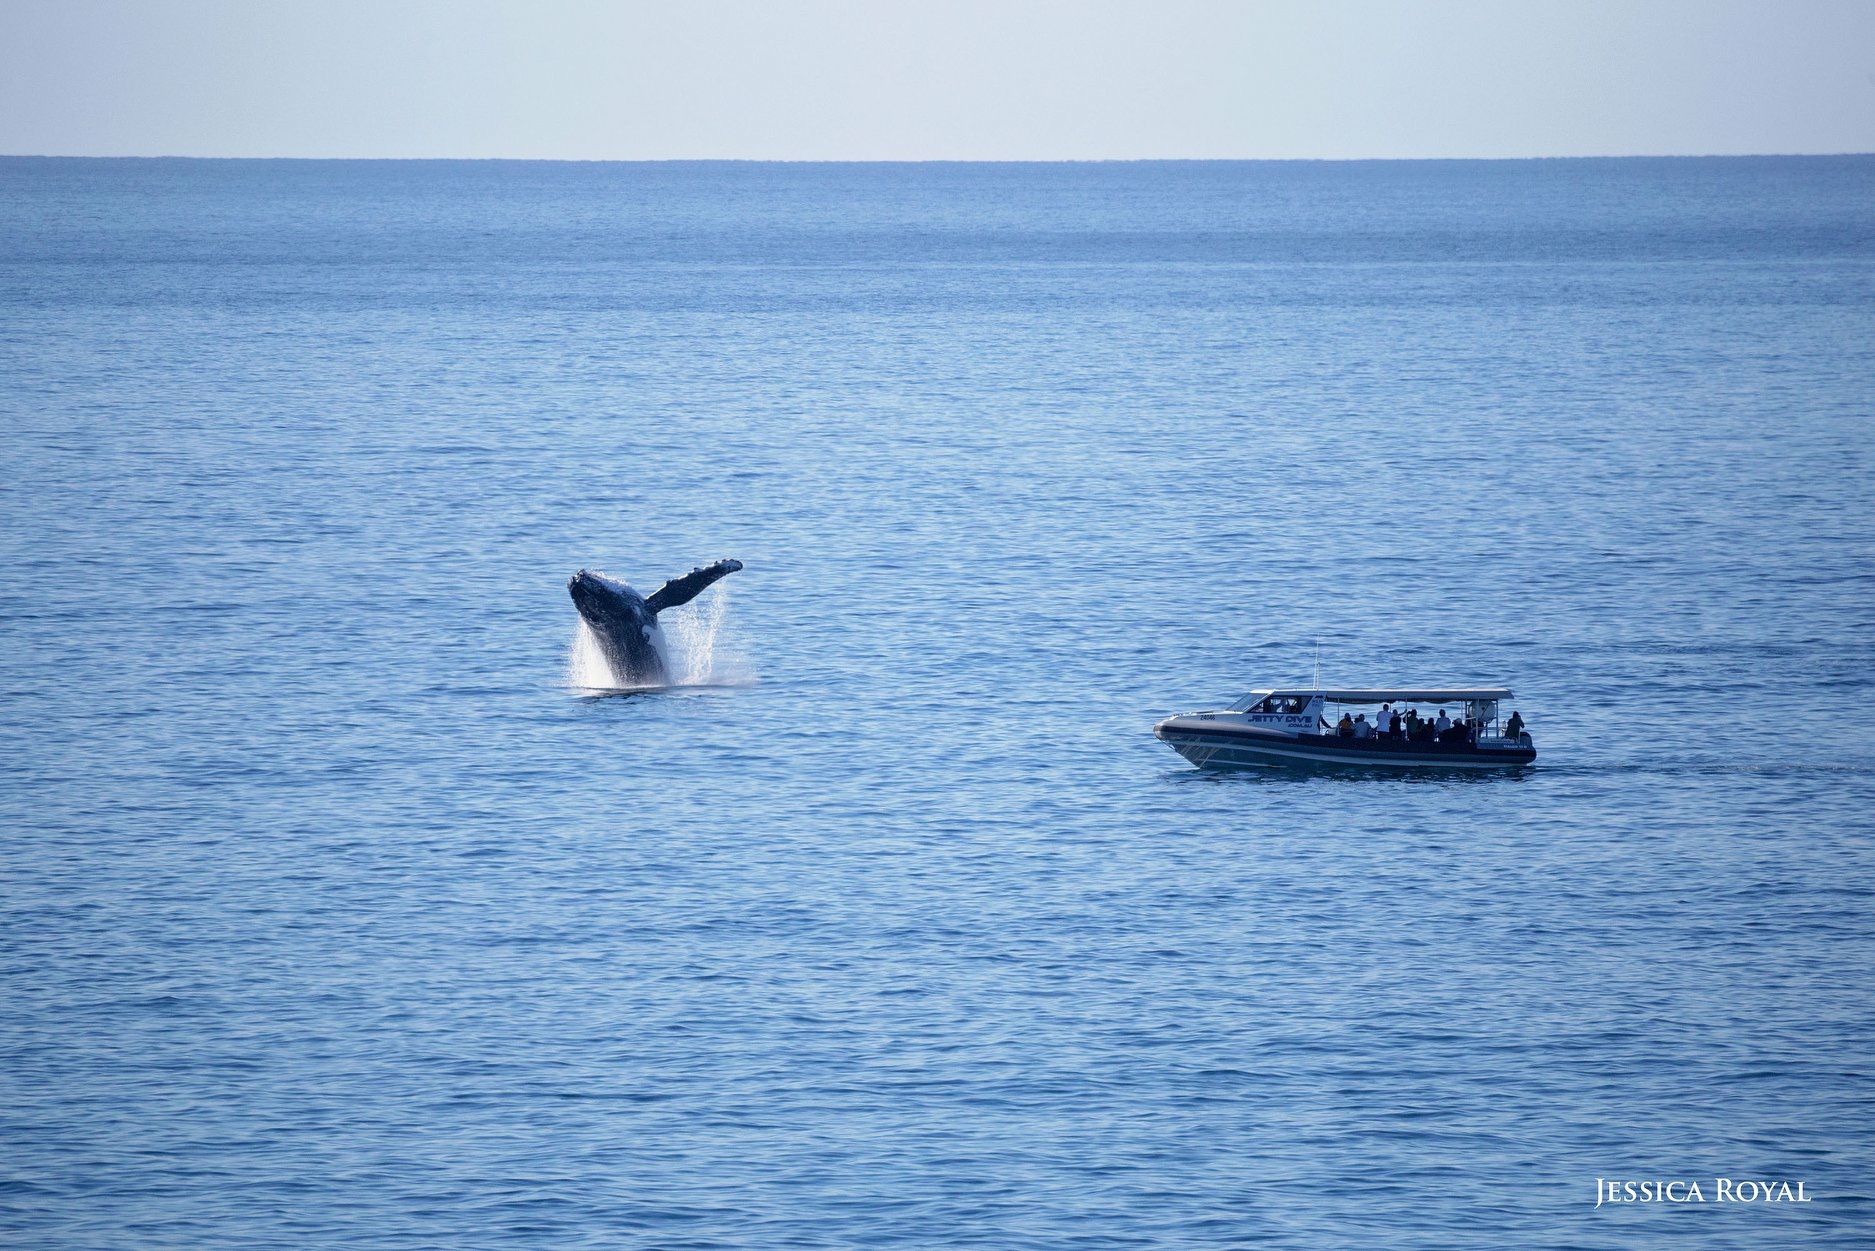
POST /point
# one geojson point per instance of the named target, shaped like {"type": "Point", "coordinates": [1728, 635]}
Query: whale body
{"type": "Point", "coordinates": [626, 623]}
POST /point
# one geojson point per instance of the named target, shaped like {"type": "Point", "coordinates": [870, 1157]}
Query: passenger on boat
{"type": "Point", "coordinates": [1383, 723]}
{"type": "Point", "coordinates": [1361, 727]}
{"type": "Point", "coordinates": [1346, 727]}
{"type": "Point", "coordinates": [1443, 724]}
{"type": "Point", "coordinates": [1514, 726]}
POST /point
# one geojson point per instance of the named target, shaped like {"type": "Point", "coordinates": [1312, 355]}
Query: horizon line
{"type": "Point", "coordinates": [948, 160]}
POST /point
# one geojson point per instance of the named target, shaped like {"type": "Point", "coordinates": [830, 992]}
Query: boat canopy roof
{"type": "Point", "coordinates": [1408, 694]}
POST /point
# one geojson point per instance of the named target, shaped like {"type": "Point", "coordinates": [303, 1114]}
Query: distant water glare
{"type": "Point", "coordinates": [697, 644]}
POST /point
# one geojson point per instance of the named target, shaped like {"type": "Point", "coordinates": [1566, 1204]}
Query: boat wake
{"type": "Point", "coordinates": [697, 642]}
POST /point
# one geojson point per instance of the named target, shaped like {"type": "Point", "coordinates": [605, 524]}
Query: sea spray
{"type": "Point", "coordinates": [586, 666]}
{"type": "Point", "coordinates": [689, 639]}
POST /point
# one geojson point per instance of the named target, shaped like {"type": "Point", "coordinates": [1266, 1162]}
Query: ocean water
{"type": "Point", "coordinates": [334, 913]}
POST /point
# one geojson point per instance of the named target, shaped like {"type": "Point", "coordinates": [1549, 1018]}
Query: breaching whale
{"type": "Point", "coordinates": [626, 622]}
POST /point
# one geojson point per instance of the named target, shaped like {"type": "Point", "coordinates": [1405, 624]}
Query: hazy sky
{"type": "Point", "coordinates": [917, 79]}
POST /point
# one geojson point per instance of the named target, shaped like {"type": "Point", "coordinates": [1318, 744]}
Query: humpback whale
{"type": "Point", "coordinates": [626, 622]}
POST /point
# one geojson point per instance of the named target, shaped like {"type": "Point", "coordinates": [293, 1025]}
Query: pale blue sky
{"type": "Point", "coordinates": [916, 80]}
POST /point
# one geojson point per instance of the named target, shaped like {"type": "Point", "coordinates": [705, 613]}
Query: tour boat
{"type": "Point", "coordinates": [1297, 726]}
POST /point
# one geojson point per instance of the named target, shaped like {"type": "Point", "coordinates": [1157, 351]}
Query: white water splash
{"type": "Point", "coordinates": [696, 641]}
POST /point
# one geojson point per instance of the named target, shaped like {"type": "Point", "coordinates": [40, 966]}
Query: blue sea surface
{"type": "Point", "coordinates": [333, 915]}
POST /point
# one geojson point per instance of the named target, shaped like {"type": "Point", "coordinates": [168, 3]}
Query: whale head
{"type": "Point", "coordinates": [600, 598]}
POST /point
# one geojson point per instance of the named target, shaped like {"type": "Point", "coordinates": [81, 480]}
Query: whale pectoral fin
{"type": "Point", "coordinates": [683, 590]}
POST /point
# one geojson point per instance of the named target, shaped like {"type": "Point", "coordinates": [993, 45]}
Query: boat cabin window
{"type": "Point", "coordinates": [1282, 703]}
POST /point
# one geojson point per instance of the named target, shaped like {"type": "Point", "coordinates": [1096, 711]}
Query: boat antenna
{"type": "Point", "coordinates": [1318, 664]}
